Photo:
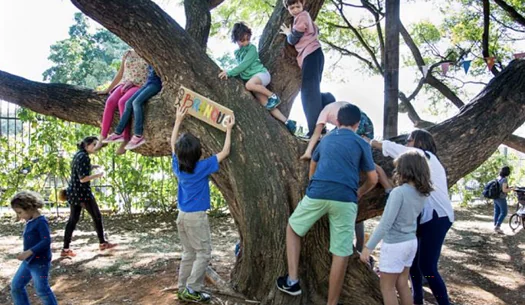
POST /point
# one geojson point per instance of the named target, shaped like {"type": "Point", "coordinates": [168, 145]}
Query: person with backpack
{"type": "Point", "coordinates": [500, 202]}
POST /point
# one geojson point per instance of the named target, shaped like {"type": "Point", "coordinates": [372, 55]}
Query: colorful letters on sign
{"type": "Point", "coordinates": [203, 108]}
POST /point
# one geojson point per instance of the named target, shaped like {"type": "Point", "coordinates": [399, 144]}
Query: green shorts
{"type": "Point", "coordinates": [341, 216]}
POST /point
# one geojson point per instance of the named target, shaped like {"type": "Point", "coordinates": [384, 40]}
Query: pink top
{"type": "Point", "coordinates": [329, 113]}
{"type": "Point", "coordinates": [309, 42]}
{"type": "Point", "coordinates": [135, 69]}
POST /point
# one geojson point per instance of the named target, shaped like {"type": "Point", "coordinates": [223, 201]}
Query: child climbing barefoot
{"type": "Point", "coordinates": [397, 227]}
{"type": "Point", "coordinates": [251, 70]}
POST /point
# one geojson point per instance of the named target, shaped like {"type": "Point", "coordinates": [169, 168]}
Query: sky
{"type": "Point", "coordinates": [29, 27]}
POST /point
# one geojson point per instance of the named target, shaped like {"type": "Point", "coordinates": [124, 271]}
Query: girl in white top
{"type": "Point", "coordinates": [435, 220]}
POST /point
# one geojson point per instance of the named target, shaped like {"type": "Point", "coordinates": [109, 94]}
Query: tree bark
{"type": "Point", "coordinates": [391, 69]}
{"type": "Point", "coordinates": [262, 180]}
{"type": "Point", "coordinates": [198, 20]}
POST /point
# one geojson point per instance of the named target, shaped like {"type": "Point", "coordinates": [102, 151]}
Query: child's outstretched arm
{"type": "Point", "coordinates": [181, 112]}
{"type": "Point", "coordinates": [225, 152]}
{"type": "Point", "coordinates": [250, 57]}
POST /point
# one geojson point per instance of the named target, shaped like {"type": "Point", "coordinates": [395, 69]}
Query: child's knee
{"type": "Point", "coordinates": [248, 86]}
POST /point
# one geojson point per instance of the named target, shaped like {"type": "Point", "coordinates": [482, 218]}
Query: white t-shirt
{"type": "Point", "coordinates": [439, 199]}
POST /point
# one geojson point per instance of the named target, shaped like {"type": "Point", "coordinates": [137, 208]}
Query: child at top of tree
{"type": "Point", "coordinates": [310, 57]}
{"type": "Point", "coordinates": [398, 225]}
{"type": "Point", "coordinates": [252, 71]}
{"type": "Point", "coordinates": [36, 258]}
{"type": "Point", "coordinates": [193, 200]}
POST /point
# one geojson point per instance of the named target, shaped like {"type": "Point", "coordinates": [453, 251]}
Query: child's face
{"type": "Point", "coordinates": [295, 8]}
{"type": "Point", "coordinates": [23, 214]}
{"type": "Point", "coordinates": [91, 147]}
{"type": "Point", "coordinates": [244, 41]}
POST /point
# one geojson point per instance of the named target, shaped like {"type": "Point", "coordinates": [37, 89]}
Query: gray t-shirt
{"type": "Point", "coordinates": [399, 220]}
{"type": "Point", "coordinates": [501, 181]}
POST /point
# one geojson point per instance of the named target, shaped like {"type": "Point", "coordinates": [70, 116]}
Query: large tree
{"type": "Point", "coordinates": [263, 179]}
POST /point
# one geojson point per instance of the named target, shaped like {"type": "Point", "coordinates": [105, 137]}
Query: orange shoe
{"type": "Point", "coordinates": [67, 253]}
{"type": "Point", "coordinates": [106, 246]}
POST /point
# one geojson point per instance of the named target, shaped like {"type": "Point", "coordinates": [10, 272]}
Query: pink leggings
{"type": "Point", "coordinates": [116, 98]}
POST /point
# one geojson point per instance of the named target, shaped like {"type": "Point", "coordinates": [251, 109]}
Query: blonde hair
{"type": "Point", "coordinates": [27, 200]}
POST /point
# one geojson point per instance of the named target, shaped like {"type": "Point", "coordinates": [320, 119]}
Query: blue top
{"type": "Point", "coordinates": [399, 220]}
{"type": "Point", "coordinates": [194, 189]}
{"type": "Point", "coordinates": [340, 157]}
{"type": "Point", "coordinates": [37, 238]}
{"type": "Point", "coordinates": [153, 78]}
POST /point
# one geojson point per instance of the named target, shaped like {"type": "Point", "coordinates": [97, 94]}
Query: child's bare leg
{"type": "Point", "coordinates": [255, 85]}
{"type": "Point", "coordinates": [313, 141]}
{"type": "Point", "coordinates": [276, 113]}
{"type": "Point", "coordinates": [387, 282]}
{"type": "Point", "coordinates": [402, 287]}
{"type": "Point", "coordinates": [383, 178]}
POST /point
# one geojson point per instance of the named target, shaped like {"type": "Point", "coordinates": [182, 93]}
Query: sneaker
{"type": "Point", "coordinates": [273, 101]}
{"type": "Point", "coordinates": [135, 142]}
{"type": "Point", "coordinates": [498, 230]}
{"type": "Point", "coordinates": [282, 285]}
{"type": "Point", "coordinates": [106, 246]}
{"type": "Point", "coordinates": [291, 125]}
{"type": "Point", "coordinates": [195, 297]}
{"type": "Point", "coordinates": [67, 253]}
{"type": "Point", "coordinates": [114, 138]}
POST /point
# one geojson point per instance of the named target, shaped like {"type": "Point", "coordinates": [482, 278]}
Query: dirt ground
{"type": "Point", "coordinates": [479, 266]}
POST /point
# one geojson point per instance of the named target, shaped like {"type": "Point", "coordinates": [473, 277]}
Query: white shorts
{"type": "Point", "coordinates": [394, 258]}
{"type": "Point", "coordinates": [265, 77]}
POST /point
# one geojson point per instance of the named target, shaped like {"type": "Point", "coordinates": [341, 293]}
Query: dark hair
{"type": "Point", "coordinates": [240, 30]}
{"type": "Point", "coordinates": [287, 3]}
{"type": "Point", "coordinates": [348, 115]}
{"type": "Point", "coordinates": [423, 140]}
{"type": "Point", "coordinates": [413, 167]}
{"type": "Point", "coordinates": [86, 141]}
{"type": "Point", "coordinates": [188, 151]}
{"type": "Point", "coordinates": [327, 98]}
{"type": "Point", "coordinates": [27, 200]}
{"type": "Point", "coordinates": [505, 171]}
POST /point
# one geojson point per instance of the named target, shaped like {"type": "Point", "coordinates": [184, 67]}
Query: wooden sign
{"type": "Point", "coordinates": [203, 108]}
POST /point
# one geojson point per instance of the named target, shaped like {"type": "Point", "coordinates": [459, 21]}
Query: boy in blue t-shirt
{"type": "Point", "coordinates": [333, 190]}
{"type": "Point", "coordinates": [193, 201]}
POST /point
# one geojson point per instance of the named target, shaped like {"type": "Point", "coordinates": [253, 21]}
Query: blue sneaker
{"type": "Point", "coordinates": [273, 101]}
{"type": "Point", "coordinates": [291, 125]}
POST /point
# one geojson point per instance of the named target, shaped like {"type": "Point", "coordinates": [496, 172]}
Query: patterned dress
{"type": "Point", "coordinates": [135, 69]}
{"type": "Point", "coordinates": [77, 191]}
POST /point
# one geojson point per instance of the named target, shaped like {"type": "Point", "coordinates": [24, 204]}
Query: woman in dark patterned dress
{"type": "Point", "coordinates": [79, 195]}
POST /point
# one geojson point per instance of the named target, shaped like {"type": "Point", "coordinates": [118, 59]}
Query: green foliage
{"type": "Point", "coordinates": [471, 186]}
{"type": "Point", "coordinates": [39, 160]}
{"type": "Point", "coordinates": [85, 59]}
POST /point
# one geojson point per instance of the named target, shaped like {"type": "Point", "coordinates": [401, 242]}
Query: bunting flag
{"type": "Point", "coordinates": [425, 70]}
{"type": "Point", "coordinates": [466, 65]}
{"type": "Point", "coordinates": [444, 68]}
{"type": "Point", "coordinates": [519, 55]}
{"type": "Point", "coordinates": [490, 62]}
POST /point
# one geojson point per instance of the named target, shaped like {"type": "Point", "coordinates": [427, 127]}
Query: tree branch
{"type": "Point", "coordinates": [430, 79]}
{"type": "Point", "coordinates": [515, 142]}
{"type": "Point", "coordinates": [339, 7]}
{"type": "Point", "coordinates": [198, 20]}
{"type": "Point", "coordinates": [517, 17]}
{"type": "Point", "coordinates": [376, 12]}
{"type": "Point", "coordinates": [347, 52]}
{"type": "Point", "coordinates": [485, 36]}
{"type": "Point", "coordinates": [215, 3]}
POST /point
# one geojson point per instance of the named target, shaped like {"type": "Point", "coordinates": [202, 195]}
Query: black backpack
{"type": "Point", "coordinates": [492, 189]}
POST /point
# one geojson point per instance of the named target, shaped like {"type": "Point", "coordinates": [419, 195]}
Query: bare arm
{"type": "Point", "coordinates": [91, 177]}
{"type": "Point", "coordinates": [313, 167]}
{"type": "Point", "coordinates": [370, 183]}
{"type": "Point", "coordinates": [225, 152]}
{"type": "Point", "coordinates": [181, 112]}
{"type": "Point", "coordinates": [505, 188]}
{"type": "Point", "coordinates": [118, 77]}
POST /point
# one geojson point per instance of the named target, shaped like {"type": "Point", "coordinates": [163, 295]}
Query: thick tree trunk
{"type": "Point", "coordinates": [262, 180]}
{"type": "Point", "coordinates": [391, 69]}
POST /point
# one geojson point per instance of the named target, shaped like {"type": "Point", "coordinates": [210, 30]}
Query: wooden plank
{"type": "Point", "coordinates": [203, 108]}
